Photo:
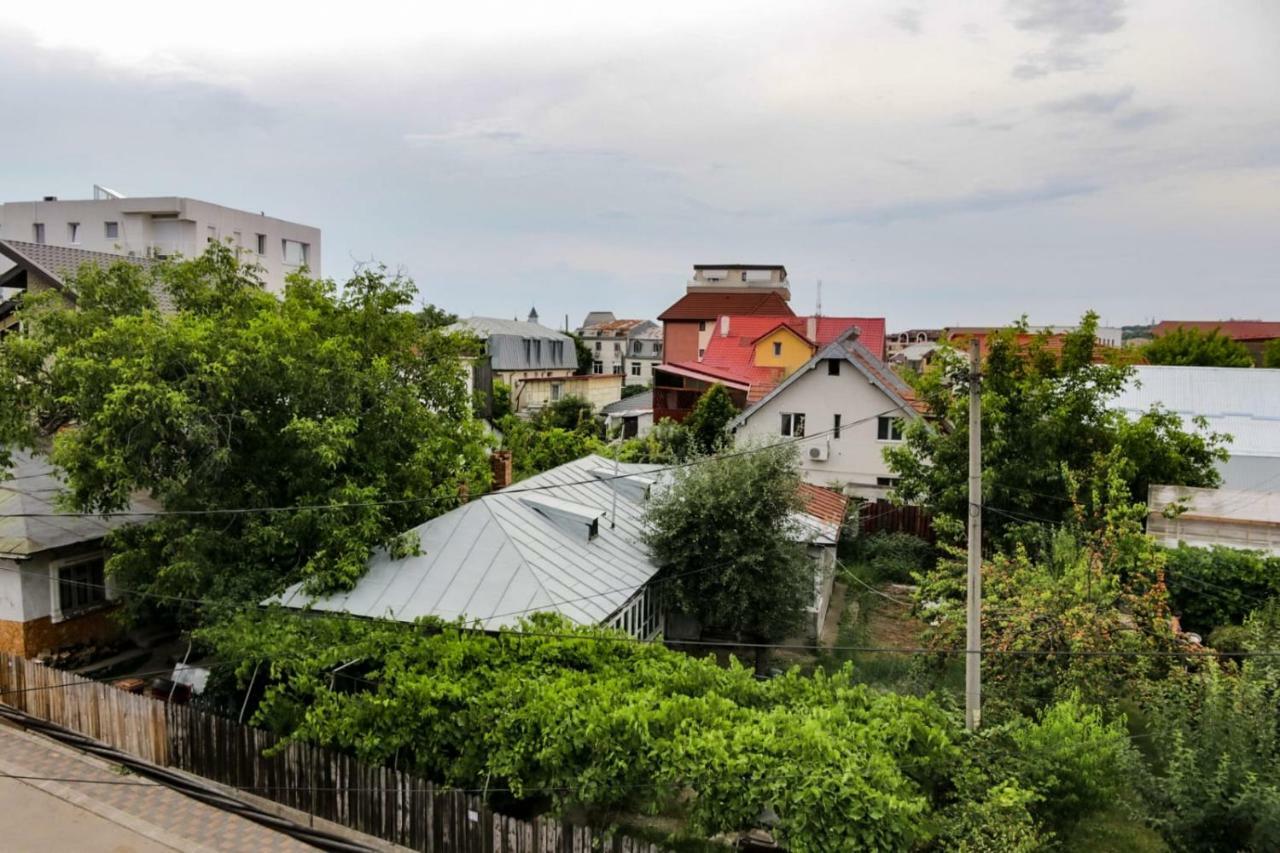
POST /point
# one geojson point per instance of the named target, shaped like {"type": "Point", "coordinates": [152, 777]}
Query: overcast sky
{"type": "Point", "coordinates": [934, 163]}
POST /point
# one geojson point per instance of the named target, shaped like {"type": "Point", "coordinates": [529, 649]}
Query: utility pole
{"type": "Point", "coordinates": [973, 623]}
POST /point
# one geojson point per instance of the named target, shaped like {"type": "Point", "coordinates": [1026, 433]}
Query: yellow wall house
{"type": "Point", "coordinates": [535, 393]}
{"type": "Point", "coordinates": [782, 347]}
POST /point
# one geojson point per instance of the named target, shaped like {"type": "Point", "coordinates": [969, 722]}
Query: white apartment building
{"type": "Point", "coordinates": [164, 226]}
{"type": "Point", "coordinates": [628, 347]}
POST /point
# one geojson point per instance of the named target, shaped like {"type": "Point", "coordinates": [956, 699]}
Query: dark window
{"type": "Point", "coordinates": [262, 244]}
{"type": "Point", "coordinates": [833, 367]}
{"type": "Point", "coordinates": [777, 347]}
{"type": "Point", "coordinates": [81, 585]}
{"type": "Point", "coordinates": [889, 429]}
{"type": "Point", "coordinates": [835, 427]}
{"type": "Point", "coordinates": [111, 230]}
{"type": "Point", "coordinates": [37, 232]}
{"type": "Point", "coordinates": [597, 367]}
{"type": "Point", "coordinates": [793, 424]}
{"type": "Point", "coordinates": [702, 325]}
{"type": "Point", "coordinates": [887, 481]}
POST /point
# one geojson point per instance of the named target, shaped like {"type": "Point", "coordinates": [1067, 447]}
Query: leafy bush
{"type": "Point", "coordinates": [666, 443]}
{"type": "Point", "coordinates": [1216, 586]}
{"type": "Point", "coordinates": [893, 556]}
{"type": "Point", "coordinates": [534, 450]}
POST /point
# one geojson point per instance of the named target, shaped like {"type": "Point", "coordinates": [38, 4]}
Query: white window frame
{"type": "Point", "coordinates": [635, 368]}
{"type": "Point", "coordinates": [556, 389]}
{"type": "Point", "coordinates": [56, 611]}
{"type": "Point", "coordinates": [895, 425]}
{"type": "Point", "coordinates": [793, 424]}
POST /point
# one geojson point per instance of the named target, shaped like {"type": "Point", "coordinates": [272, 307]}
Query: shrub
{"type": "Point", "coordinates": [893, 556]}
{"type": "Point", "coordinates": [1216, 586]}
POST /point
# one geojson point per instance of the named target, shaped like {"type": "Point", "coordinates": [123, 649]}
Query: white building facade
{"type": "Point", "coordinates": [167, 226]}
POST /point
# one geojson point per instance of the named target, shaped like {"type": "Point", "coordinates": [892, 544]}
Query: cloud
{"type": "Point", "coordinates": [1093, 103]}
{"type": "Point", "coordinates": [907, 19]}
{"type": "Point", "coordinates": [1142, 119]}
{"type": "Point", "coordinates": [982, 201]}
{"type": "Point", "coordinates": [1070, 26]}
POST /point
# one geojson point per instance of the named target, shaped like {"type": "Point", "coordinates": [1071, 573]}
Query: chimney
{"type": "Point", "coordinates": [464, 492]}
{"type": "Point", "coordinates": [811, 328]}
{"type": "Point", "coordinates": [500, 463]}
{"type": "Point", "coordinates": [724, 326]}
{"type": "Point", "coordinates": [51, 198]}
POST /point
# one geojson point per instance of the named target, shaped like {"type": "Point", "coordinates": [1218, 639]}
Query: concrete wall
{"type": "Point", "coordinates": [856, 457]}
{"type": "Point", "coordinates": [599, 391]}
{"type": "Point", "coordinates": [167, 225]}
{"type": "Point", "coordinates": [1251, 473]}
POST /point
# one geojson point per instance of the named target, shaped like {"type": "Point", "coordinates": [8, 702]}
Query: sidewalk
{"type": "Point", "coordinates": [147, 816]}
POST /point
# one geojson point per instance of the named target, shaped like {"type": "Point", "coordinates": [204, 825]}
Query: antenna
{"type": "Point", "coordinates": [818, 311]}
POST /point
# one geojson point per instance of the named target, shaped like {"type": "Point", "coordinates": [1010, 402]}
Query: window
{"type": "Point", "coordinates": [597, 367]}
{"type": "Point", "coordinates": [657, 349]}
{"type": "Point", "coordinates": [262, 244]}
{"type": "Point", "coordinates": [81, 585]}
{"type": "Point", "coordinates": [598, 346]}
{"type": "Point", "coordinates": [37, 232]}
{"type": "Point", "coordinates": [777, 347]}
{"type": "Point", "coordinates": [73, 232]}
{"type": "Point", "coordinates": [889, 429]}
{"type": "Point", "coordinates": [702, 325]}
{"type": "Point", "coordinates": [887, 482]}
{"type": "Point", "coordinates": [744, 275]}
{"type": "Point", "coordinates": [793, 424]}
{"type": "Point", "coordinates": [701, 353]}
{"type": "Point", "coordinates": [835, 426]}
{"type": "Point", "coordinates": [635, 368]}
{"type": "Point", "coordinates": [210, 234]}
{"type": "Point", "coordinates": [111, 230]}
{"type": "Point", "coordinates": [833, 367]}
{"type": "Point", "coordinates": [555, 390]}
{"type": "Point", "coordinates": [295, 253]}
{"type": "Point", "coordinates": [617, 348]}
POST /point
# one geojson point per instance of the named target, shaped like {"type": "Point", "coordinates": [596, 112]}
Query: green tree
{"type": "Point", "coordinates": [586, 358]}
{"type": "Point", "coordinates": [724, 536]}
{"type": "Point", "coordinates": [435, 318]}
{"type": "Point", "coordinates": [569, 412]}
{"type": "Point", "coordinates": [1190, 346]}
{"type": "Point", "coordinates": [1044, 412]}
{"type": "Point", "coordinates": [241, 399]}
{"type": "Point", "coordinates": [1271, 355]}
{"type": "Point", "coordinates": [536, 448]}
{"type": "Point", "coordinates": [632, 390]}
{"type": "Point", "coordinates": [709, 420]}
{"type": "Point", "coordinates": [666, 443]}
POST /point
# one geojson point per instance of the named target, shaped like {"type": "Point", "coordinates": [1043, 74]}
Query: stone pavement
{"type": "Point", "coordinates": [144, 808]}
{"type": "Point", "coordinates": [33, 821]}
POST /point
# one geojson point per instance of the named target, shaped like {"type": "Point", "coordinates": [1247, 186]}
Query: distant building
{"type": "Point", "coordinates": [1053, 335]}
{"type": "Point", "coordinates": [896, 342]}
{"type": "Point", "coordinates": [538, 365]}
{"type": "Point", "coordinates": [53, 586]}
{"type": "Point", "coordinates": [1254, 334]}
{"type": "Point", "coordinates": [843, 407]}
{"type": "Point", "coordinates": [633, 416]}
{"type": "Point", "coordinates": [1207, 517]}
{"type": "Point", "coordinates": [162, 227]}
{"type": "Point", "coordinates": [1244, 404]}
{"type": "Point", "coordinates": [627, 347]}
{"type": "Point", "coordinates": [750, 355]}
{"type": "Point", "coordinates": [718, 290]}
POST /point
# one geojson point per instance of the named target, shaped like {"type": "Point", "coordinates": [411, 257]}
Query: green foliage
{"type": "Point", "coordinates": [1216, 586]}
{"type": "Point", "coordinates": [586, 357]}
{"type": "Point", "coordinates": [725, 539]}
{"type": "Point", "coordinates": [241, 398]}
{"type": "Point", "coordinates": [569, 412]}
{"type": "Point", "coordinates": [1271, 354]}
{"type": "Point", "coordinates": [1215, 778]}
{"type": "Point", "coordinates": [709, 419]}
{"type": "Point", "coordinates": [501, 400]}
{"type": "Point", "coordinates": [535, 449]}
{"type": "Point", "coordinates": [893, 556]}
{"type": "Point", "coordinates": [1190, 346]}
{"type": "Point", "coordinates": [632, 390]}
{"type": "Point", "coordinates": [668, 442]}
{"type": "Point", "coordinates": [603, 723]}
{"type": "Point", "coordinates": [1043, 414]}
{"type": "Point", "coordinates": [435, 318]}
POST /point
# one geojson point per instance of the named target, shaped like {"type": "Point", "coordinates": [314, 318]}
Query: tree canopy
{"type": "Point", "coordinates": [239, 399]}
{"type": "Point", "coordinates": [1271, 355]}
{"type": "Point", "coordinates": [709, 420]}
{"type": "Point", "coordinates": [1188, 345]}
{"type": "Point", "coordinates": [724, 536]}
{"type": "Point", "coordinates": [1044, 413]}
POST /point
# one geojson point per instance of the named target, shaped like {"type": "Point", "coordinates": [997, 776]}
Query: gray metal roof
{"type": "Point", "coordinates": [508, 554]}
{"type": "Point", "coordinates": [642, 402]}
{"type": "Point", "coordinates": [30, 487]}
{"type": "Point", "coordinates": [58, 263]}
{"type": "Point", "coordinates": [518, 345]}
{"type": "Point", "coordinates": [1243, 402]}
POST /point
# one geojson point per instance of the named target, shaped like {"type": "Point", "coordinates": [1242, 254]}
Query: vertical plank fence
{"type": "Point", "coordinates": [885, 516]}
{"type": "Point", "coordinates": [379, 801]}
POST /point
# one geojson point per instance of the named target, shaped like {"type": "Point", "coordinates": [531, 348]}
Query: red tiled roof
{"type": "Point", "coordinates": [879, 369]}
{"type": "Point", "coordinates": [1239, 330]}
{"type": "Point", "coordinates": [708, 306]}
{"type": "Point", "coordinates": [733, 354]}
{"type": "Point", "coordinates": [825, 504]}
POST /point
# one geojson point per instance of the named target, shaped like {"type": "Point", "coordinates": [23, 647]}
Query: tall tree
{"type": "Point", "coordinates": [436, 318]}
{"type": "Point", "coordinates": [242, 400]}
{"type": "Point", "coordinates": [586, 358]}
{"type": "Point", "coordinates": [1187, 345]}
{"type": "Point", "coordinates": [1044, 412]}
{"type": "Point", "coordinates": [710, 418]}
{"type": "Point", "coordinates": [724, 536]}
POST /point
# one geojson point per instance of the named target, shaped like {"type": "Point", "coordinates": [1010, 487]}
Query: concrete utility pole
{"type": "Point", "coordinates": [973, 624]}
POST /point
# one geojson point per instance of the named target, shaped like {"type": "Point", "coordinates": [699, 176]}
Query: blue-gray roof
{"type": "Point", "coordinates": [519, 345]}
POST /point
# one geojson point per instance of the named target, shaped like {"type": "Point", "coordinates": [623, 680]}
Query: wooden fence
{"type": "Point", "coordinates": [379, 801]}
{"type": "Point", "coordinates": [886, 517]}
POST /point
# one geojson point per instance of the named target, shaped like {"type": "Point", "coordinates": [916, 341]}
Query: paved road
{"type": "Point", "coordinates": [82, 803]}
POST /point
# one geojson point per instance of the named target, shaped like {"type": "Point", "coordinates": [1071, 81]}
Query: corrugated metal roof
{"type": "Point", "coordinates": [1244, 402]}
{"type": "Point", "coordinates": [642, 402]}
{"type": "Point", "coordinates": [31, 488]}
{"type": "Point", "coordinates": [501, 557]}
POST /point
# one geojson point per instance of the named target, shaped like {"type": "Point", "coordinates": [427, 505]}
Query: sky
{"type": "Point", "coordinates": [932, 163]}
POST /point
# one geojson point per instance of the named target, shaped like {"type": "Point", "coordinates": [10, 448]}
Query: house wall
{"type": "Point", "coordinates": [599, 391]}
{"type": "Point", "coordinates": [680, 340]}
{"type": "Point", "coordinates": [167, 225]}
{"type": "Point", "coordinates": [27, 625]}
{"type": "Point", "coordinates": [795, 351]}
{"type": "Point", "coordinates": [1251, 473]}
{"type": "Point", "coordinates": [856, 457]}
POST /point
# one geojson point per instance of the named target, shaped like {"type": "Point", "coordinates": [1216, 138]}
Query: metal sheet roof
{"type": "Point", "coordinates": [1244, 402]}
{"type": "Point", "coordinates": [31, 487]}
{"type": "Point", "coordinates": [518, 345]}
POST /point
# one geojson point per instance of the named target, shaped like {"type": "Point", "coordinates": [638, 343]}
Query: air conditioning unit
{"type": "Point", "coordinates": [819, 452]}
